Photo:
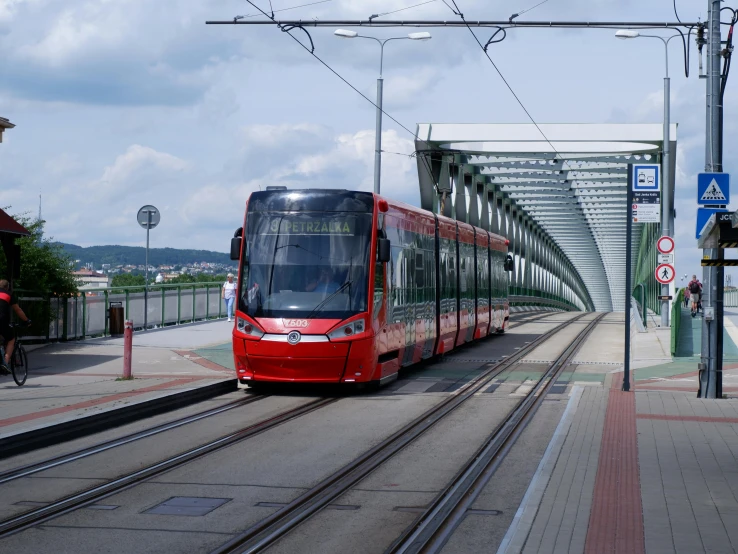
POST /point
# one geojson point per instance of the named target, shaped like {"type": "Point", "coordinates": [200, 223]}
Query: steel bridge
{"type": "Point", "coordinates": [558, 193]}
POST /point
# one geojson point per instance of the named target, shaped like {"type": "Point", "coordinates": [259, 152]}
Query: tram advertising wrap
{"type": "Point", "coordinates": [341, 286]}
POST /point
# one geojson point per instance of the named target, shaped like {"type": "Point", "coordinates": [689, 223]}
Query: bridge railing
{"type": "Point", "coordinates": [676, 320]}
{"type": "Point", "coordinates": [520, 296]}
{"type": "Point", "coordinates": [730, 298]}
{"type": "Point", "coordinates": [86, 315]}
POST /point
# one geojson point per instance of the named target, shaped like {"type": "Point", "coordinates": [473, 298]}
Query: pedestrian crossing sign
{"type": "Point", "coordinates": [713, 189]}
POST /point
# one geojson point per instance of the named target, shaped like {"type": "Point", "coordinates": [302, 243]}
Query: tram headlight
{"type": "Point", "coordinates": [249, 329]}
{"type": "Point", "coordinates": [348, 330]}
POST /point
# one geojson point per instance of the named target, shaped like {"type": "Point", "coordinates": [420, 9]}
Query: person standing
{"type": "Point", "coordinates": [695, 293]}
{"type": "Point", "coordinates": [229, 295]}
{"type": "Point", "coordinates": [8, 304]}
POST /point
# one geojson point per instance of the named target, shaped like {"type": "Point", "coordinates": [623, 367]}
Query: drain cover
{"type": "Point", "coordinates": [187, 506]}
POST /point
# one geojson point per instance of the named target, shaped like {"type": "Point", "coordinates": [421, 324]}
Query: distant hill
{"type": "Point", "coordinates": [136, 255]}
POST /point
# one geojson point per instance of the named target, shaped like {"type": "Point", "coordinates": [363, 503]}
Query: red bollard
{"type": "Point", "coordinates": [127, 347]}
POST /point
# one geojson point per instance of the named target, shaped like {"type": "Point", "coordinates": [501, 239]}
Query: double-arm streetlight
{"type": "Point", "coordinates": [342, 33]}
{"type": "Point", "coordinates": [667, 215]}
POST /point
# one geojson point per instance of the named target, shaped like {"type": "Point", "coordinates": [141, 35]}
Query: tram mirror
{"type": "Point", "coordinates": [509, 264]}
{"type": "Point", "coordinates": [383, 250]}
{"type": "Point", "coordinates": [236, 244]}
{"type": "Point", "coordinates": [235, 248]}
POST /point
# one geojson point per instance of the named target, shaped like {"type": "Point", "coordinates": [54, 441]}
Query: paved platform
{"type": "Point", "coordinates": [70, 380]}
{"type": "Point", "coordinates": [654, 470]}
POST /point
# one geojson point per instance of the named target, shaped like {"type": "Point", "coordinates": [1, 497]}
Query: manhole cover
{"type": "Point", "coordinates": [187, 506]}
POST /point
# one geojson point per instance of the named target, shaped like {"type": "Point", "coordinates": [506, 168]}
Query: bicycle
{"type": "Point", "coordinates": [19, 360]}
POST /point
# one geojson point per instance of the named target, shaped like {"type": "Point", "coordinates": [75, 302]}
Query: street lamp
{"type": "Point", "coordinates": [343, 33]}
{"type": "Point", "coordinates": [667, 216]}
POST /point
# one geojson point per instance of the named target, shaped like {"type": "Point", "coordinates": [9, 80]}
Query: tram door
{"type": "Point", "coordinates": [408, 278]}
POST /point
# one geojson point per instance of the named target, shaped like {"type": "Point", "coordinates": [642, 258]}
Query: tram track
{"type": "Point", "coordinates": [85, 498]}
{"type": "Point", "coordinates": [30, 469]}
{"type": "Point", "coordinates": [90, 496]}
{"type": "Point", "coordinates": [269, 530]}
{"type": "Point", "coordinates": [434, 527]}
{"type": "Point", "coordinates": [517, 322]}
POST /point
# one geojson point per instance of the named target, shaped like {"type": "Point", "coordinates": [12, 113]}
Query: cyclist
{"type": "Point", "coordinates": [695, 294]}
{"type": "Point", "coordinates": [8, 303]}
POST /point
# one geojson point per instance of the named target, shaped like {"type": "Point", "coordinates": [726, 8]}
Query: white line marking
{"type": "Point", "coordinates": [524, 517]}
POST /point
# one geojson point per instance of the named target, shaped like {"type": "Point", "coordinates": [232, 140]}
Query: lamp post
{"type": "Point", "coordinates": [667, 215]}
{"type": "Point", "coordinates": [342, 33]}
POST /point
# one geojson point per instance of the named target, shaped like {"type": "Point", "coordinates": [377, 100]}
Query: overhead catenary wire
{"type": "Point", "coordinates": [283, 9]}
{"type": "Point", "coordinates": [458, 12]}
{"type": "Point", "coordinates": [311, 51]}
{"type": "Point", "coordinates": [402, 9]}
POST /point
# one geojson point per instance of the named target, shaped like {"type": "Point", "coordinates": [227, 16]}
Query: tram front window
{"type": "Point", "coordinates": [306, 265]}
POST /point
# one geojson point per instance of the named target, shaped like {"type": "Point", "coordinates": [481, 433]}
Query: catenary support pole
{"type": "Point", "coordinates": [378, 137]}
{"type": "Point", "coordinates": [711, 352]}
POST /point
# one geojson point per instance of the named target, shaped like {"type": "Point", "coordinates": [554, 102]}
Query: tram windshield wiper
{"type": "Point", "coordinates": [328, 298]}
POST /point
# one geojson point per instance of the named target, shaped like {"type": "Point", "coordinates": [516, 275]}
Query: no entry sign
{"type": "Point", "coordinates": [665, 245]}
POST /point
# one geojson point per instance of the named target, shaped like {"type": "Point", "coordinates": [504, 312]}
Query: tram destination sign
{"type": "Point", "coordinates": [302, 225]}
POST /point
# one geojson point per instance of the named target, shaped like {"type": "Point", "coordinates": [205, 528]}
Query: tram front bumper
{"type": "Point", "coordinates": [277, 362]}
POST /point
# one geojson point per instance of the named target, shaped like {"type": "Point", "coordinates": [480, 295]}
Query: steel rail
{"type": "Point", "coordinates": [518, 322]}
{"type": "Point", "coordinates": [462, 24]}
{"type": "Point", "coordinates": [266, 532]}
{"type": "Point", "coordinates": [56, 461]}
{"type": "Point", "coordinates": [81, 499]}
{"type": "Point", "coordinates": [431, 530]}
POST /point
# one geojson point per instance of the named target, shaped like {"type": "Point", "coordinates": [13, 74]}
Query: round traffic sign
{"type": "Point", "coordinates": [148, 217]}
{"type": "Point", "coordinates": [665, 274]}
{"type": "Point", "coordinates": [665, 245]}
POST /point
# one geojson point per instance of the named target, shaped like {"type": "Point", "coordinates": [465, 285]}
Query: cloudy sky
{"type": "Point", "coordinates": [120, 103]}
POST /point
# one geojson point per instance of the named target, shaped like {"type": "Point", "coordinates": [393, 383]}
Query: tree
{"type": "Point", "coordinates": [44, 266]}
{"type": "Point", "coordinates": [128, 280]}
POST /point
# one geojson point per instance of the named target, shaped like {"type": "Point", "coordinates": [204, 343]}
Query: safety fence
{"type": "Point", "coordinates": [645, 263]}
{"type": "Point", "coordinates": [86, 315]}
{"type": "Point", "coordinates": [730, 298]}
{"type": "Point", "coordinates": [519, 296]}
{"type": "Point", "coordinates": [676, 320]}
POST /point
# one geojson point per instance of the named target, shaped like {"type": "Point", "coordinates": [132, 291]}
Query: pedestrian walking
{"type": "Point", "coordinates": [229, 295]}
{"type": "Point", "coordinates": [686, 297]}
{"type": "Point", "coordinates": [695, 294]}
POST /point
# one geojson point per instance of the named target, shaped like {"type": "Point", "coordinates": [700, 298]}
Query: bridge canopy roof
{"type": "Point", "coordinates": [568, 178]}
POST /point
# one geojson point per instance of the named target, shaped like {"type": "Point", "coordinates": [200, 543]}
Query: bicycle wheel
{"type": "Point", "coordinates": [19, 366]}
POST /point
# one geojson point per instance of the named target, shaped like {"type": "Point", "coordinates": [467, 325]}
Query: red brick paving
{"type": "Point", "coordinates": [616, 518]}
{"type": "Point", "coordinates": [89, 403]}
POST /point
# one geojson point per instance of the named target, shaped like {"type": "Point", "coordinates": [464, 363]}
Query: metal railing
{"type": "Point", "coordinates": [676, 320]}
{"type": "Point", "coordinates": [730, 298]}
{"type": "Point", "coordinates": [86, 315]}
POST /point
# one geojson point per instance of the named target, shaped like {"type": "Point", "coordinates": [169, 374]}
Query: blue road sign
{"type": "Point", "coordinates": [646, 177]}
{"type": "Point", "coordinates": [713, 189]}
{"type": "Point", "coordinates": [703, 216]}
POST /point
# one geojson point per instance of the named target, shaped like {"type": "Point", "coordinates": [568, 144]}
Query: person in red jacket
{"type": "Point", "coordinates": [8, 304]}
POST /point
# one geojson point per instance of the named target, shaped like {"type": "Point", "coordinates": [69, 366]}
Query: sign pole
{"type": "Point", "coordinates": [628, 252]}
{"type": "Point", "coordinates": [146, 284]}
{"type": "Point", "coordinates": [148, 217]}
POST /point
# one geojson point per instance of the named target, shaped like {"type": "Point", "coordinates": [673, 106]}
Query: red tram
{"type": "Point", "coordinates": [342, 286]}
